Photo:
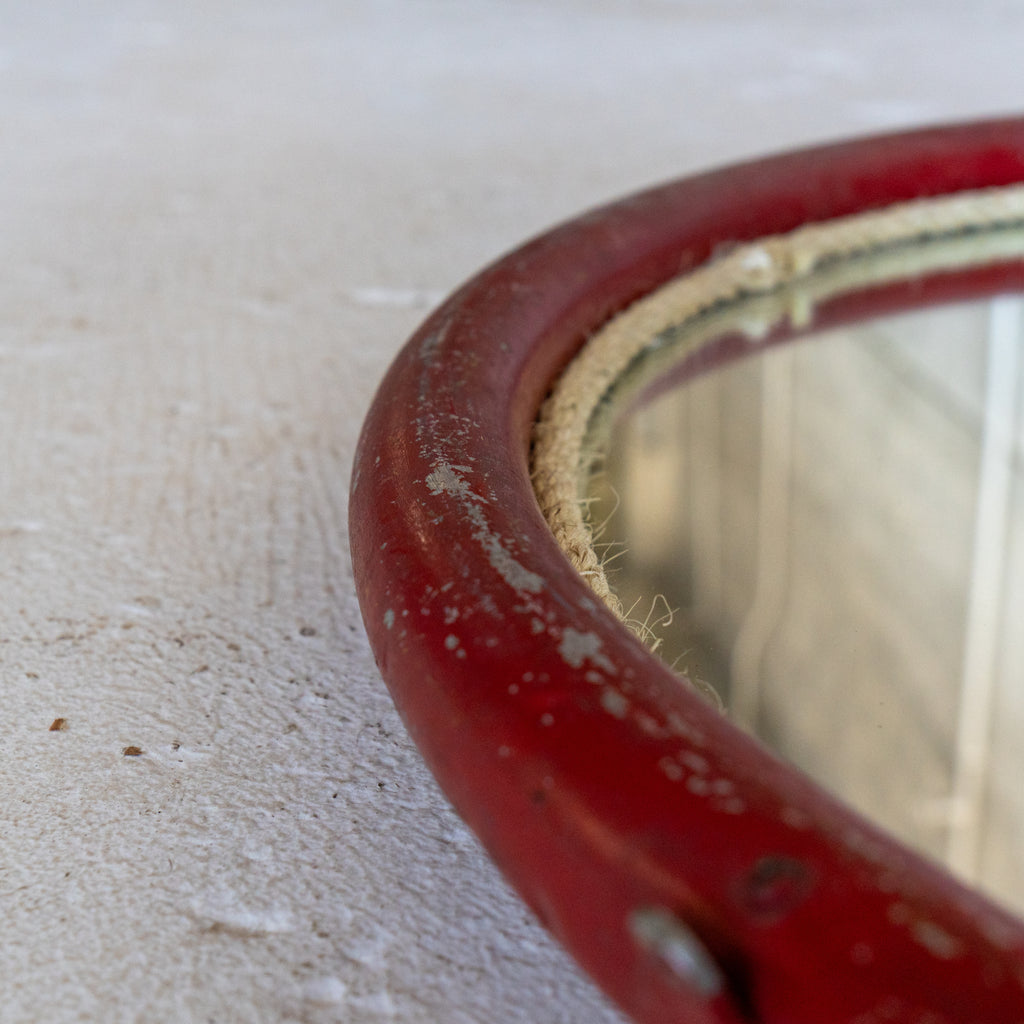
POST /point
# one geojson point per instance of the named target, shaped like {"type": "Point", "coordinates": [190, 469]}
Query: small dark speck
{"type": "Point", "coordinates": [380, 785]}
{"type": "Point", "coordinates": [131, 751]}
{"type": "Point", "coordinates": [31, 675]}
{"type": "Point", "coordinates": [58, 725]}
{"type": "Point", "coordinates": [175, 745]}
{"type": "Point", "coordinates": [307, 631]}
{"type": "Point", "coordinates": [334, 796]}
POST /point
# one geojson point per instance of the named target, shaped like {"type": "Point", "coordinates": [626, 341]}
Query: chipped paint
{"type": "Point", "coordinates": [515, 575]}
{"type": "Point", "coordinates": [389, 618]}
{"type": "Point", "coordinates": [685, 730]}
{"type": "Point", "coordinates": [734, 805]}
{"type": "Point", "coordinates": [936, 940]}
{"type": "Point", "coordinates": [926, 933]}
{"type": "Point", "coordinates": [695, 762]}
{"type": "Point", "coordinates": [868, 847]}
{"type": "Point", "coordinates": [698, 786]}
{"type": "Point", "coordinates": [451, 641]}
{"type": "Point", "coordinates": [446, 478]}
{"type": "Point", "coordinates": [795, 818]}
{"type": "Point", "coordinates": [693, 770]}
{"type": "Point", "coordinates": [614, 703]}
{"type": "Point", "coordinates": [576, 648]}
{"type": "Point", "coordinates": [649, 724]}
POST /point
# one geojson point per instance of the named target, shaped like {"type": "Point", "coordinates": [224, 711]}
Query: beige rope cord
{"type": "Point", "coordinates": [750, 289]}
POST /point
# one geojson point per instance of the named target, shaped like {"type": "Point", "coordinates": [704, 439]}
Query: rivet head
{"type": "Point", "coordinates": [676, 945]}
{"type": "Point", "coordinates": [775, 886]}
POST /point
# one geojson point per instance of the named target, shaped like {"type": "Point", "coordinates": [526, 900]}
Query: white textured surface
{"type": "Point", "coordinates": [217, 224]}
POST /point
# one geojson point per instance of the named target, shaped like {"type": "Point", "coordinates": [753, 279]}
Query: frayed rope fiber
{"type": "Point", "coordinates": [812, 263]}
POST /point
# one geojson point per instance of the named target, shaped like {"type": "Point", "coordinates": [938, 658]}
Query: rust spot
{"type": "Point", "coordinates": [131, 751]}
{"type": "Point", "coordinates": [58, 725]}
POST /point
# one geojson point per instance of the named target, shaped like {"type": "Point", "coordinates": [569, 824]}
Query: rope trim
{"type": "Point", "coordinates": [751, 287]}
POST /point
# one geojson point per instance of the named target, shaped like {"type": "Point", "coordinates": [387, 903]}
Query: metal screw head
{"type": "Point", "coordinates": [674, 943]}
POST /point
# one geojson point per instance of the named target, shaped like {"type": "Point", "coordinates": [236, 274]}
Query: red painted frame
{"type": "Point", "coordinates": [599, 784]}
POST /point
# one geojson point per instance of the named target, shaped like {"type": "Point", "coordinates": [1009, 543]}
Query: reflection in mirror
{"type": "Point", "coordinates": [831, 534]}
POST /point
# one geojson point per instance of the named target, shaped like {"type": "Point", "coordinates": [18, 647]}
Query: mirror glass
{"type": "Point", "coordinates": [830, 532]}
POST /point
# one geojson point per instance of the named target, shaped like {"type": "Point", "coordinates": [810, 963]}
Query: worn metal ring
{"type": "Point", "coordinates": [691, 872]}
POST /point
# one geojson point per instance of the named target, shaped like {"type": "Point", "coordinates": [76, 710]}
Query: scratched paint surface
{"type": "Point", "coordinates": [724, 839]}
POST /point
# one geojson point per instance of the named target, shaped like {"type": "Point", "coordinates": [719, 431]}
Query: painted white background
{"type": "Point", "coordinates": [217, 225]}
